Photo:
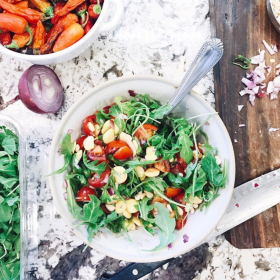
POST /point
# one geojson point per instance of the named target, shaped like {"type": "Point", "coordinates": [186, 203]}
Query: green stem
{"type": "Point", "coordinates": [49, 12]}
{"type": "Point", "coordinates": [30, 33]}
{"type": "Point", "coordinates": [13, 45]}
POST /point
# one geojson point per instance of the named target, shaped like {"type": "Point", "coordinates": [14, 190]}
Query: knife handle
{"type": "Point", "coordinates": [134, 271]}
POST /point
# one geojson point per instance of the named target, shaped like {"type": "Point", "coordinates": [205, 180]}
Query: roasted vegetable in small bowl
{"type": "Point", "coordinates": [33, 28]}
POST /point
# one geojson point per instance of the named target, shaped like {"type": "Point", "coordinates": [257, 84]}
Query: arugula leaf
{"type": "Point", "coordinates": [186, 143]}
{"type": "Point", "coordinates": [213, 171]}
{"type": "Point", "coordinates": [119, 121]}
{"type": "Point", "coordinates": [67, 148]}
{"type": "Point", "coordinates": [5, 273]}
{"type": "Point", "coordinates": [166, 226]}
{"type": "Point", "coordinates": [117, 225]}
{"type": "Point", "coordinates": [160, 112]}
{"type": "Point", "coordinates": [80, 177]}
{"type": "Point", "coordinates": [125, 107]}
{"type": "Point", "coordinates": [73, 207]}
{"type": "Point", "coordinates": [145, 210]}
{"type": "Point", "coordinates": [8, 182]}
{"type": "Point", "coordinates": [5, 213]}
{"type": "Point", "coordinates": [9, 145]}
{"type": "Point", "coordinates": [92, 210]}
{"type": "Point", "coordinates": [91, 165]}
{"type": "Point", "coordinates": [100, 118]}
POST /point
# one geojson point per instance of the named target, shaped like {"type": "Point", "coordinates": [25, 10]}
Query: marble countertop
{"type": "Point", "coordinates": [156, 37]}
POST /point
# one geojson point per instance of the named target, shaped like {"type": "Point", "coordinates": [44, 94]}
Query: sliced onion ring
{"type": "Point", "coordinates": [40, 90]}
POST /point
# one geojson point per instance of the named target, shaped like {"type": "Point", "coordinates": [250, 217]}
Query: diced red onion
{"type": "Point", "coordinates": [275, 48]}
{"type": "Point", "coordinates": [132, 93]}
{"type": "Point", "coordinates": [252, 99]}
{"type": "Point", "coordinates": [40, 90]}
{"type": "Point", "coordinates": [248, 83]}
{"type": "Point", "coordinates": [256, 89]}
{"type": "Point", "coordinates": [70, 131]}
{"type": "Point", "coordinates": [270, 50]}
{"type": "Point", "coordinates": [106, 179]}
{"type": "Point", "coordinates": [65, 196]}
{"type": "Point", "coordinates": [262, 53]}
{"type": "Point", "coordinates": [277, 66]}
{"type": "Point", "coordinates": [276, 82]}
{"type": "Point", "coordinates": [169, 246]}
{"type": "Point", "coordinates": [270, 87]}
{"type": "Point", "coordinates": [268, 68]}
{"type": "Point", "coordinates": [111, 191]}
{"type": "Point", "coordinates": [262, 94]}
{"type": "Point", "coordinates": [185, 238]}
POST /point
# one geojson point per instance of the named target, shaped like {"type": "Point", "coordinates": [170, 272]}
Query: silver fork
{"type": "Point", "coordinates": [207, 57]}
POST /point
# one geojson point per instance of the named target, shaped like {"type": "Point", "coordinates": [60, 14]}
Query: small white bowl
{"type": "Point", "coordinates": [79, 47]}
{"type": "Point", "coordinates": [198, 225]}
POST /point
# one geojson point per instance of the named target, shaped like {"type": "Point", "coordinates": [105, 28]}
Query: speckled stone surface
{"type": "Point", "coordinates": [156, 37]}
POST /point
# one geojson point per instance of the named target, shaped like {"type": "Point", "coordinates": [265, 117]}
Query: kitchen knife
{"type": "Point", "coordinates": [248, 200]}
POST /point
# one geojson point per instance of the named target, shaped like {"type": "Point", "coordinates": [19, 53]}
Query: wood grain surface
{"type": "Point", "coordinates": [242, 25]}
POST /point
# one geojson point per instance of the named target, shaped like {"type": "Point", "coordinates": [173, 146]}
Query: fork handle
{"type": "Point", "coordinates": [207, 57]}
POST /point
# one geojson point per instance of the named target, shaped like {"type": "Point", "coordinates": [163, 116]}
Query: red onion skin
{"type": "Point", "coordinates": [24, 94]}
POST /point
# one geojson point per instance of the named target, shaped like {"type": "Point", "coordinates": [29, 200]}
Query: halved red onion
{"type": "Point", "coordinates": [40, 90]}
{"type": "Point", "coordinates": [185, 238]}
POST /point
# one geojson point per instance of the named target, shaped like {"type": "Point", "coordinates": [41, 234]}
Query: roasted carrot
{"type": "Point", "coordinates": [69, 37]}
{"type": "Point", "coordinates": [44, 6]}
{"type": "Point", "coordinates": [40, 36]}
{"type": "Point", "coordinates": [30, 15]}
{"type": "Point", "coordinates": [70, 6]}
{"type": "Point", "coordinates": [58, 6]}
{"type": "Point", "coordinates": [22, 4]}
{"type": "Point", "coordinates": [64, 22]}
{"type": "Point", "coordinates": [15, 24]}
{"type": "Point", "coordinates": [47, 47]}
{"type": "Point", "coordinates": [20, 40]}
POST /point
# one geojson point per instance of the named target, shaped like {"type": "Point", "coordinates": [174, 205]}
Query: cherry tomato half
{"type": "Point", "coordinates": [80, 141]}
{"type": "Point", "coordinates": [145, 133]}
{"type": "Point", "coordinates": [123, 153]}
{"type": "Point", "coordinates": [180, 198]}
{"type": "Point", "coordinates": [97, 153]}
{"type": "Point", "coordinates": [96, 2]}
{"type": "Point", "coordinates": [84, 192]}
{"type": "Point", "coordinates": [181, 221]}
{"type": "Point", "coordinates": [100, 181]}
{"type": "Point", "coordinates": [177, 168]}
{"type": "Point", "coordinates": [163, 166]}
{"type": "Point", "coordinates": [181, 161]}
{"type": "Point", "coordinates": [87, 122]}
{"type": "Point", "coordinates": [172, 192]}
{"type": "Point", "coordinates": [119, 149]}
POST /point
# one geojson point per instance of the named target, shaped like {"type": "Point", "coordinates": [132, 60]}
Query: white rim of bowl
{"type": "Point", "coordinates": [152, 258]}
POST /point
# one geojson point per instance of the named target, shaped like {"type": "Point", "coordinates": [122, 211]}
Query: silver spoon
{"type": "Point", "coordinates": [207, 57]}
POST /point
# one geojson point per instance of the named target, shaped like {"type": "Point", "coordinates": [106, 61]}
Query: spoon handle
{"type": "Point", "coordinates": [207, 57]}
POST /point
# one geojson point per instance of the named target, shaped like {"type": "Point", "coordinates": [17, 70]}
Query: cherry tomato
{"type": "Point", "coordinates": [172, 192]}
{"type": "Point", "coordinates": [90, 119]}
{"type": "Point", "coordinates": [119, 149]}
{"type": "Point", "coordinates": [98, 142]}
{"type": "Point", "coordinates": [177, 168]}
{"type": "Point", "coordinates": [123, 153]}
{"type": "Point", "coordinates": [91, 11]}
{"type": "Point", "coordinates": [180, 198]}
{"type": "Point", "coordinates": [181, 221]}
{"type": "Point", "coordinates": [100, 181]}
{"type": "Point", "coordinates": [97, 153]}
{"type": "Point", "coordinates": [163, 166]}
{"type": "Point", "coordinates": [147, 132]}
{"type": "Point", "coordinates": [181, 161]}
{"type": "Point", "coordinates": [84, 192]}
{"type": "Point", "coordinates": [80, 141]}
{"type": "Point", "coordinates": [160, 200]}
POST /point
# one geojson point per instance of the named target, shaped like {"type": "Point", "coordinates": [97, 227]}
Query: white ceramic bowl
{"type": "Point", "coordinates": [79, 47]}
{"type": "Point", "coordinates": [198, 225]}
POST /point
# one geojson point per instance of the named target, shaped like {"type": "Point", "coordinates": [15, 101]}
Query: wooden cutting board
{"type": "Point", "coordinates": [242, 25]}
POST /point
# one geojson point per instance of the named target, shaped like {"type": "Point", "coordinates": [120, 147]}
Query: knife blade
{"type": "Point", "coordinates": [247, 201]}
